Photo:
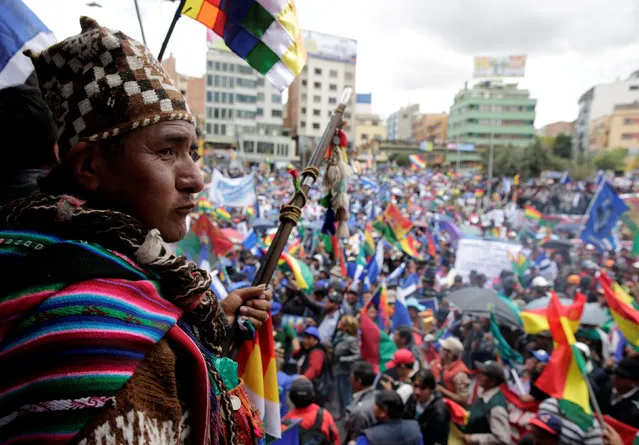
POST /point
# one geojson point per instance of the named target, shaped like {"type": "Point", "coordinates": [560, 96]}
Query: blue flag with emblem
{"type": "Point", "coordinates": [604, 214]}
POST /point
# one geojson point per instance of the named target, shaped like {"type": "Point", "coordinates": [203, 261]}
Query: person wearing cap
{"type": "Point", "coordinates": [25, 122]}
{"type": "Point", "coordinates": [451, 373]}
{"type": "Point", "coordinates": [429, 353]}
{"type": "Point", "coordinates": [359, 414]}
{"type": "Point", "coordinates": [312, 360]}
{"type": "Point", "coordinates": [351, 305]}
{"type": "Point", "coordinates": [533, 368]}
{"type": "Point", "coordinates": [397, 374]}
{"type": "Point", "coordinates": [545, 429]}
{"type": "Point", "coordinates": [390, 428]}
{"type": "Point", "coordinates": [488, 417]}
{"type": "Point", "coordinates": [414, 308]}
{"type": "Point", "coordinates": [326, 314]}
{"type": "Point", "coordinates": [624, 404]}
{"type": "Point", "coordinates": [427, 290]}
{"type": "Point", "coordinates": [427, 406]}
{"type": "Point", "coordinates": [139, 333]}
{"type": "Point", "coordinates": [306, 410]}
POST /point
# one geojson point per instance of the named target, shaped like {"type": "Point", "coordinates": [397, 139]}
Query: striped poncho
{"type": "Point", "coordinates": [76, 321]}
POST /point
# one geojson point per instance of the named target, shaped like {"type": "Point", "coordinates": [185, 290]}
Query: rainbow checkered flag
{"type": "Point", "coordinates": [265, 33]}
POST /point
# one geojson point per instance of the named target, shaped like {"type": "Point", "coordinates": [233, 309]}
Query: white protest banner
{"type": "Point", "coordinates": [484, 256]}
{"type": "Point", "coordinates": [232, 192]}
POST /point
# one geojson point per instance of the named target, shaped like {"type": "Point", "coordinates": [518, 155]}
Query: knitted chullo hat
{"type": "Point", "coordinates": [102, 83]}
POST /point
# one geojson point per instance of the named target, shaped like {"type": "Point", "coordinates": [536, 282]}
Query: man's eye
{"type": "Point", "coordinates": [165, 152]}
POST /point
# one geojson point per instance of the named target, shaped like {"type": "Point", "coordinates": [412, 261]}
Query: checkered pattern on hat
{"type": "Point", "coordinates": [101, 83]}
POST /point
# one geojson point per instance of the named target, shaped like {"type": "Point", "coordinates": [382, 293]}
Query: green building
{"type": "Point", "coordinates": [492, 110]}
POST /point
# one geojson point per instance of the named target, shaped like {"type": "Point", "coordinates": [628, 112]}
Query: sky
{"type": "Point", "coordinates": [421, 50]}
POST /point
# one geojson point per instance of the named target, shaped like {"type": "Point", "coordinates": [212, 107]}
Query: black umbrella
{"type": "Point", "coordinates": [263, 224]}
{"type": "Point", "coordinates": [557, 245]}
{"type": "Point", "coordinates": [478, 301]}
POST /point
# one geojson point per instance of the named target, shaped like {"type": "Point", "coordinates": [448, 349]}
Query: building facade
{"type": "Point", "coordinates": [598, 134]}
{"type": "Point", "coordinates": [192, 88]}
{"type": "Point", "coordinates": [369, 127]}
{"type": "Point", "coordinates": [556, 128]}
{"type": "Point", "coordinates": [244, 111]}
{"type": "Point", "coordinates": [600, 100]}
{"type": "Point", "coordinates": [430, 127]}
{"type": "Point", "coordinates": [315, 93]}
{"type": "Point", "coordinates": [400, 123]}
{"type": "Point", "coordinates": [492, 112]}
{"type": "Point", "coordinates": [624, 127]}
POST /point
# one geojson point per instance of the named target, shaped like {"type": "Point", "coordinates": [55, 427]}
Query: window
{"type": "Point", "coordinates": [209, 96]}
{"type": "Point", "coordinates": [364, 136]}
{"type": "Point", "coordinates": [225, 67]}
{"type": "Point", "coordinates": [216, 113]}
{"type": "Point", "coordinates": [243, 69]}
{"type": "Point", "coordinates": [316, 126]}
{"type": "Point", "coordinates": [318, 71]}
{"type": "Point", "coordinates": [217, 66]}
{"type": "Point", "coordinates": [631, 121]}
{"type": "Point", "coordinates": [259, 112]}
{"type": "Point", "coordinates": [348, 76]}
{"type": "Point", "coordinates": [304, 82]}
{"type": "Point", "coordinates": [223, 98]}
{"type": "Point", "coordinates": [208, 128]}
{"type": "Point", "coordinates": [329, 113]}
{"type": "Point", "coordinates": [304, 97]}
{"type": "Point", "coordinates": [332, 100]}
{"type": "Point", "coordinates": [224, 81]}
{"type": "Point", "coordinates": [260, 82]}
{"type": "Point", "coordinates": [260, 97]}
{"type": "Point", "coordinates": [245, 99]}
{"type": "Point", "coordinates": [230, 98]}
{"type": "Point", "coordinates": [332, 87]}
{"type": "Point", "coordinates": [223, 129]}
{"type": "Point", "coordinates": [332, 73]}
{"type": "Point", "coordinates": [223, 113]}
{"type": "Point", "coordinates": [303, 110]}
{"type": "Point", "coordinates": [317, 85]}
{"type": "Point", "coordinates": [216, 97]}
{"type": "Point", "coordinates": [209, 80]}
{"type": "Point", "coordinates": [216, 129]}
{"type": "Point", "coordinates": [246, 83]}
{"type": "Point", "coordinates": [265, 148]}
{"type": "Point", "coordinates": [316, 112]}
{"type": "Point", "coordinates": [209, 65]}
{"type": "Point", "coordinates": [276, 98]}
{"type": "Point", "coordinates": [231, 81]}
{"type": "Point", "coordinates": [276, 113]}
{"type": "Point", "coordinates": [303, 124]}
{"type": "Point", "coordinates": [634, 87]}
{"type": "Point", "coordinates": [209, 112]}
{"type": "Point", "coordinates": [249, 146]}
{"type": "Point", "coordinates": [232, 67]}
{"type": "Point", "coordinates": [216, 81]}
{"type": "Point", "coordinates": [317, 99]}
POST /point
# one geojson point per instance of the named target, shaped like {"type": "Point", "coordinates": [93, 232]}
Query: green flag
{"type": "Point", "coordinates": [635, 232]}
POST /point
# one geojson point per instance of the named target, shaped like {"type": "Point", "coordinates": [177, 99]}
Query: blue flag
{"type": "Point", "coordinates": [604, 215]}
{"type": "Point", "coordinates": [408, 287]}
{"type": "Point", "coordinates": [20, 29]}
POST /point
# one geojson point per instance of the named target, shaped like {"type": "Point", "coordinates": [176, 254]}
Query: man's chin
{"type": "Point", "coordinates": [174, 232]}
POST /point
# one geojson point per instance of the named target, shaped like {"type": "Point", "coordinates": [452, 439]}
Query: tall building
{"type": "Point", "coordinates": [624, 127]}
{"type": "Point", "coordinates": [492, 111]}
{"type": "Point", "coordinates": [399, 125]}
{"type": "Point", "coordinates": [430, 127]}
{"type": "Point", "coordinates": [244, 111]}
{"type": "Point", "coordinates": [192, 88]}
{"type": "Point", "coordinates": [600, 100]}
{"type": "Point", "coordinates": [368, 125]}
{"type": "Point", "coordinates": [315, 93]}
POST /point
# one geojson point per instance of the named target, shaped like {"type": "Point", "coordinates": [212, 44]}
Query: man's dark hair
{"type": "Point", "coordinates": [424, 378]}
{"type": "Point", "coordinates": [302, 393]}
{"type": "Point", "coordinates": [405, 333]}
{"type": "Point", "coordinates": [27, 129]}
{"type": "Point", "coordinates": [364, 372]}
{"type": "Point", "coordinates": [391, 403]}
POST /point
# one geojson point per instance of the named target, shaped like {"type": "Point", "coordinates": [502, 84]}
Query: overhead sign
{"type": "Point", "coordinates": [484, 256]}
{"type": "Point", "coordinates": [426, 146]}
{"type": "Point", "coordinates": [509, 66]}
{"type": "Point", "coordinates": [330, 47]}
{"type": "Point", "coordinates": [232, 192]}
{"type": "Point", "coordinates": [460, 147]}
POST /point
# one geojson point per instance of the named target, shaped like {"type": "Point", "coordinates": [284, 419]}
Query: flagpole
{"type": "Point", "coordinates": [595, 404]}
{"type": "Point", "coordinates": [176, 16]}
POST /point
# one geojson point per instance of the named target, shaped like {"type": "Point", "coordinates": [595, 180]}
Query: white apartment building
{"type": "Point", "coordinates": [314, 94]}
{"type": "Point", "coordinates": [244, 111]}
{"type": "Point", "coordinates": [599, 101]}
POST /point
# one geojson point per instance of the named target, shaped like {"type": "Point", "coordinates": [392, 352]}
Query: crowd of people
{"type": "Point", "coordinates": [106, 334]}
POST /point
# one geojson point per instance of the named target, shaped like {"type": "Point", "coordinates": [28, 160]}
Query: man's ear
{"type": "Point", "coordinates": [87, 165]}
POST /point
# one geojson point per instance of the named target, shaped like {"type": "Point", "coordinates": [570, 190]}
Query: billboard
{"type": "Point", "coordinates": [460, 147]}
{"type": "Point", "coordinates": [329, 47]}
{"type": "Point", "coordinates": [509, 66]}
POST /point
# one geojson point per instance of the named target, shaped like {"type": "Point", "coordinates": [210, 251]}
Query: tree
{"type": "Point", "coordinates": [562, 146]}
{"type": "Point", "coordinates": [614, 159]}
{"type": "Point", "coordinates": [401, 159]}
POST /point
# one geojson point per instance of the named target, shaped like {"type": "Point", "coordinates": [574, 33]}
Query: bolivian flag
{"type": "Point", "coordinates": [410, 246]}
{"type": "Point", "coordinates": [222, 214]}
{"type": "Point", "coordinates": [535, 320]}
{"type": "Point", "coordinates": [623, 309]}
{"type": "Point", "coordinates": [392, 224]}
{"type": "Point", "coordinates": [564, 375]}
{"type": "Point", "coordinates": [301, 272]}
{"type": "Point", "coordinates": [369, 243]}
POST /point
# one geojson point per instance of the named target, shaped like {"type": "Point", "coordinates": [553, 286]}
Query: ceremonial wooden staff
{"type": "Point", "coordinates": [291, 212]}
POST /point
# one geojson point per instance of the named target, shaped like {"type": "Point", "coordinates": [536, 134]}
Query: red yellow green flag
{"type": "Point", "coordinates": [623, 309]}
{"type": "Point", "coordinates": [410, 246]}
{"type": "Point", "coordinates": [535, 320]}
{"type": "Point", "coordinates": [301, 272]}
{"type": "Point", "coordinates": [369, 243]}
{"type": "Point", "coordinates": [564, 376]}
{"type": "Point", "coordinates": [392, 224]}
{"type": "Point", "coordinates": [532, 213]}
